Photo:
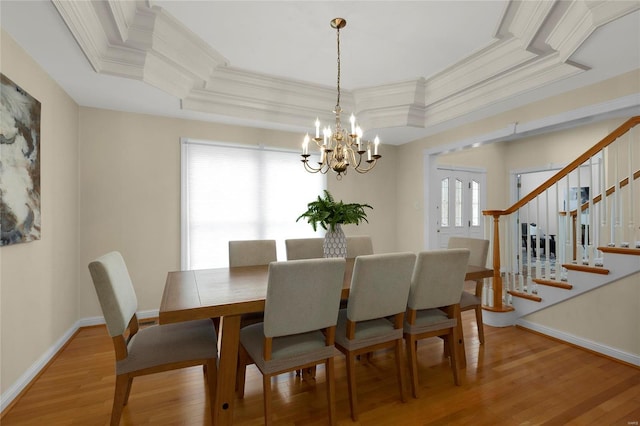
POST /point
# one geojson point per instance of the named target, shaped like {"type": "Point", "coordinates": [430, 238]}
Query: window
{"type": "Point", "coordinates": [475, 203]}
{"type": "Point", "coordinates": [458, 203]}
{"type": "Point", "coordinates": [236, 192]}
{"type": "Point", "coordinates": [444, 202]}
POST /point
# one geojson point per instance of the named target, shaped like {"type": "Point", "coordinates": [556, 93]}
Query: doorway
{"type": "Point", "coordinates": [461, 196]}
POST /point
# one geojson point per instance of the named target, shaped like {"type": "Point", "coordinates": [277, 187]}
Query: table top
{"type": "Point", "coordinates": [210, 293]}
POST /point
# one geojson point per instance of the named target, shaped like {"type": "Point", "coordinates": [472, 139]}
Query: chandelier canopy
{"type": "Point", "coordinates": [339, 148]}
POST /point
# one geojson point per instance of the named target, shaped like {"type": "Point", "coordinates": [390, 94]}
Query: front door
{"type": "Point", "coordinates": [462, 198]}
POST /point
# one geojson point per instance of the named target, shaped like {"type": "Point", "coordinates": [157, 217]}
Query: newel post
{"type": "Point", "coordinates": [497, 278]}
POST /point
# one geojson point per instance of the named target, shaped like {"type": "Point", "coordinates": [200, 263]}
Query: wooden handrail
{"type": "Point", "coordinates": [606, 141]}
{"type": "Point", "coordinates": [624, 182]}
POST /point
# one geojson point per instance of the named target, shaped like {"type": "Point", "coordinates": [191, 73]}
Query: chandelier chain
{"type": "Point", "coordinates": [338, 80]}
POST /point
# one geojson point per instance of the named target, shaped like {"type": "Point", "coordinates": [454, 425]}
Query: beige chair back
{"type": "Point", "coordinates": [303, 295]}
{"type": "Point", "coordinates": [252, 252]}
{"type": "Point", "coordinates": [479, 249]}
{"type": "Point", "coordinates": [304, 248]}
{"type": "Point", "coordinates": [359, 245]}
{"type": "Point", "coordinates": [438, 278]}
{"type": "Point", "coordinates": [380, 285]}
{"type": "Point", "coordinates": [115, 291]}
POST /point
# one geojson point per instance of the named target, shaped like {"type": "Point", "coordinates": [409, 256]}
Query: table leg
{"type": "Point", "coordinates": [225, 395]}
{"type": "Point", "coordinates": [461, 354]}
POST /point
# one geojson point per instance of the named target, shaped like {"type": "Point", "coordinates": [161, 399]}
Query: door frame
{"type": "Point", "coordinates": [432, 194]}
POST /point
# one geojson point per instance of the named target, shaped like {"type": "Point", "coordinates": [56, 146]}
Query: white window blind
{"type": "Point", "coordinates": [235, 192]}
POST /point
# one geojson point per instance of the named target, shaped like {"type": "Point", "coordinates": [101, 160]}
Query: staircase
{"type": "Point", "coordinates": [587, 215]}
{"type": "Point", "coordinates": [618, 263]}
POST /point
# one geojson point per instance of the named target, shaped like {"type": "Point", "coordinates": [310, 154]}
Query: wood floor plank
{"type": "Point", "coordinates": [515, 378]}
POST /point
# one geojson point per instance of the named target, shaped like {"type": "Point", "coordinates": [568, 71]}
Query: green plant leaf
{"type": "Point", "coordinates": [327, 213]}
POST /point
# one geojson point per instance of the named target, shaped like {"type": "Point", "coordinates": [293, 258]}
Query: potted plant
{"type": "Point", "coordinates": [330, 215]}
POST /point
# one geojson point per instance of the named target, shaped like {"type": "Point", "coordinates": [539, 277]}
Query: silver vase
{"type": "Point", "coordinates": [335, 243]}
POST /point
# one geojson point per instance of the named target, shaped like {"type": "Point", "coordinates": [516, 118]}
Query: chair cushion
{"type": "Point", "coordinates": [469, 299]}
{"type": "Point", "coordinates": [163, 344]}
{"type": "Point", "coordinates": [287, 352]}
{"type": "Point", "coordinates": [429, 320]}
{"type": "Point", "coordinates": [367, 333]}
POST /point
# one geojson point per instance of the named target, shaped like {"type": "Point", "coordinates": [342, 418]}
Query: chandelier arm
{"type": "Point", "coordinates": [310, 168]}
{"type": "Point", "coordinates": [371, 166]}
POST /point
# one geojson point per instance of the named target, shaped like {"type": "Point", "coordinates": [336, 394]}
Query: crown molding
{"type": "Point", "coordinates": [581, 19]}
{"type": "Point", "coordinates": [142, 42]}
{"type": "Point", "coordinates": [533, 46]}
{"type": "Point", "coordinates": [529, 18]}
{"type": "Point", "coordinates": [123, 16]}
{"type": "Point", "coordinates": [537, 73]}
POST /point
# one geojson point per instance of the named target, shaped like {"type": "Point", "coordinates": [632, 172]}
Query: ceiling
{"type": "Point", "coordinates": [408, 68]}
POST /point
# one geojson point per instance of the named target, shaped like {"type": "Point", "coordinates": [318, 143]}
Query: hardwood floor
{"type": "Point", "coordinates": [516, 378]}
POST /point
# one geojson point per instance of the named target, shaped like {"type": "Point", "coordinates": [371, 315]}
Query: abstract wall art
{"type": "Point", "coordinates": [19, 165]}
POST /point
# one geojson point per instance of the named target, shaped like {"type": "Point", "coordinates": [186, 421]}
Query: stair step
{"type": "Point", "coordinates": [621, 250]}
{"type": "Point", "coordinates": [525, 295]}
{"type": "Point", "coordinates": [552, 283]}
{"type": "Point", "coordinates": [586, 268]}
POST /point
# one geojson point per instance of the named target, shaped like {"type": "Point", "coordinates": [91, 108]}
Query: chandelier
{"type": "Point", "coordinates": [340, 149]}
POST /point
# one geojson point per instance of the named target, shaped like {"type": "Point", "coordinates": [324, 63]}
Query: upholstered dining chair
{"type": "Point", "coordinates": [300, 315]}
{"type": "Point", "coordinates": [379, 289]}
{"type": "Point", "coordinates": [359, 245]}
{"type": "Point", "coordinates": [151, 349]}
{"type": "Point", "coordinates": [304, 248]}
{"type": "Point", "coordinates": [433, 306]}
{"type": "Point", "coordinates": [473, 301]}
{"type": "Point", "coordinates": [252, 252]}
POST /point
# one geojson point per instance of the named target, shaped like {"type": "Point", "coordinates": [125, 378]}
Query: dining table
{"type": "Point", "coordinates": [227, 293]}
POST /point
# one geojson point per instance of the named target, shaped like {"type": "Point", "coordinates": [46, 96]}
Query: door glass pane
{"type": "Point", "coordinates": [458, 201]}
{"type": "Point", "coordinates": [475, 203]}
{"type": "Point", "coordinates": [444, 202]}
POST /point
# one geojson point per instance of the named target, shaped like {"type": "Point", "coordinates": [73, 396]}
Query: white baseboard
{"type": "Point", "coordinates": [32, 372]}
{"type": "Point", "coordinates": [629, 358]}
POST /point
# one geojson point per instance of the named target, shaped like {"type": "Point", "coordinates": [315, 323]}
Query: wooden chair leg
{"type": "Point", "coordinates": [241, 371]}
{"type": "Point", "coordinates": [331, 391]}
{"type": "Point", "coordinates": [480, 324]}
{"type": "Point", "coordinates": [455, 355]}
{"type": "Point", "coordinates": [400, 368]}
{"type": "Point", "coordinates": [351, 382]}
{"type": "Point", "coordinates": [413, 363]}
{"type": "Point", "coordinates": [266, 390]}
{"type": "Point", "coordinates": [126, 395]}
{"type": "Point", "coordinates": [121, 394]}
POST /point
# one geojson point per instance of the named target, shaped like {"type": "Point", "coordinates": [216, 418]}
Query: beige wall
{"type": "Point", "coordinates": [38, 280]}
{"type": "Point", "coordinates": [608, 315]}
{"type": "Point", "coordinates": [130, 193]}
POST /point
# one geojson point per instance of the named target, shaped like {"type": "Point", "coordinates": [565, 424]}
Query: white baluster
{"type": "Point", "coordinates": [630, 234]}
{"type": "Point", "coordinates": [547, 244]}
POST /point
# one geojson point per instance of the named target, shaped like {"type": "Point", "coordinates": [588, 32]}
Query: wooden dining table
{"type": "Point", "coordinates": [228, 293]}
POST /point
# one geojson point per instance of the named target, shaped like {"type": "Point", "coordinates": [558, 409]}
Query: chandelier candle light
{"type": "Point", "coordinates": [338, 148]}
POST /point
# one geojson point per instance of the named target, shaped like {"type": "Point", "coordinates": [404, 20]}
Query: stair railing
{"type": "Point", "coordinates": [591, 202]}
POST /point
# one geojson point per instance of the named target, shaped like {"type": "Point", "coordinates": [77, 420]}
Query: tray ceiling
{"type": "Point", "coordinates": [409, 68]}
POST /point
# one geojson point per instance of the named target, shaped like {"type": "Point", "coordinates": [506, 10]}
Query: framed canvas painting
{"type": "Point", "coordinates": [19, 164]}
